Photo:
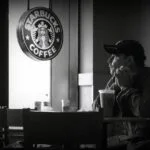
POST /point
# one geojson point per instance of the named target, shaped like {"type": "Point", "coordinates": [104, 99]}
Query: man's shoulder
{"type": "Point", "coordinates": [146, 72]}
{"type": "Point", "coordinates": [147, 69]}
{"type": "Point", "coordinates": [145, 81]}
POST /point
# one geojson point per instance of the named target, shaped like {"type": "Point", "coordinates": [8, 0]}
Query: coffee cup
{"type": "Point", "coordinates": [38, 105]}
{"type": "Point", "coordinates": [65, 105]}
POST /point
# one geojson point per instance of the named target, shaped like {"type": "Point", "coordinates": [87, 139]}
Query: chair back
{"type": "Point", "coordinates": [15, 125]}
{"type": "Point", "coordinates": [14, 117]}
{"type": "Point", "coordinates": [62, 128]}
{"type": "Point", "coordinates": [3, 127]}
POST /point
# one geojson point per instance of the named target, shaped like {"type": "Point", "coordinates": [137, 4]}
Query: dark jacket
{"type": "Point", "coordinates": [131, 102]}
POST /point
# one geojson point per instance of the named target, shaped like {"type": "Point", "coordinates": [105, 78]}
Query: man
{"type": "Point", "coordinates": [131, 82]}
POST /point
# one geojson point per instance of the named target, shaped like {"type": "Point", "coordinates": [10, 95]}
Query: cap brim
{"type": "Point", "coordinates": [112, 49]}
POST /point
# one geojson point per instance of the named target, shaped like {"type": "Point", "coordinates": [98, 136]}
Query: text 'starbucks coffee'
{"type": "Point", "coordinates": [40, 33]}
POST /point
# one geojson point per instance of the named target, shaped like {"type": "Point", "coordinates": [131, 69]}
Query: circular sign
{"type": "Point", "coordinates": [40, 33]}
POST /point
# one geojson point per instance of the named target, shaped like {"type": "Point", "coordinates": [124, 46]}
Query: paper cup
{"type": "Point", "coordinates": [107, 98]}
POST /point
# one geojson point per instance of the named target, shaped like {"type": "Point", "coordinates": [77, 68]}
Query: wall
{"type": "Point", "coordinates": [113, 21]}
{"type": "Point", "coordinates": [30, 80]}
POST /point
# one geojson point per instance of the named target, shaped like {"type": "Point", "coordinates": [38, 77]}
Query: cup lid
{"type": "Point", "coordinates": [106, 91]}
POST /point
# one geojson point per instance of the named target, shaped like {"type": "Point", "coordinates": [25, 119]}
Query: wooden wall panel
{"type": "Point", "coordinates": [65, 65]}
{"type": "Point", "coordinates": [73, 54]}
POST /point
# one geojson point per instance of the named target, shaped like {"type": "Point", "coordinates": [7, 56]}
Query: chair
{"type": "Point", "coordinates": [3, 127]}
{"type": "Point", "coordinates": [14, 117]}
{"type": "Point", "coordinates": [15, 125]}
{"type": "Point", "coordinates": [110, 120]}
{"type": "Point", "coordinates": [67, 128]}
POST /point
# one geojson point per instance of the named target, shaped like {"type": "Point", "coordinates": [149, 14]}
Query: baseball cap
{"type": "Point", "coordinates": [127, 47]}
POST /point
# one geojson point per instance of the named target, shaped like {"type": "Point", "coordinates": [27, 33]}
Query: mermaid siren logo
{"type": "Point", "coordinates": [40, 33]}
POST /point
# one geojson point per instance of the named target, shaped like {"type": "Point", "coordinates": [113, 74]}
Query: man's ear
{"type": "Point", "coordinates": [130, 60]}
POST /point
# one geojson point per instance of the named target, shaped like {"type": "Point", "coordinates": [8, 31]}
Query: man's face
{"type": "Point", "coordinates": [116, 61]}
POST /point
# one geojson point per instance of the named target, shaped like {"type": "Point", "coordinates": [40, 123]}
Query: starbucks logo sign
{"type": "Point", "coordinates": [40, 33]}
